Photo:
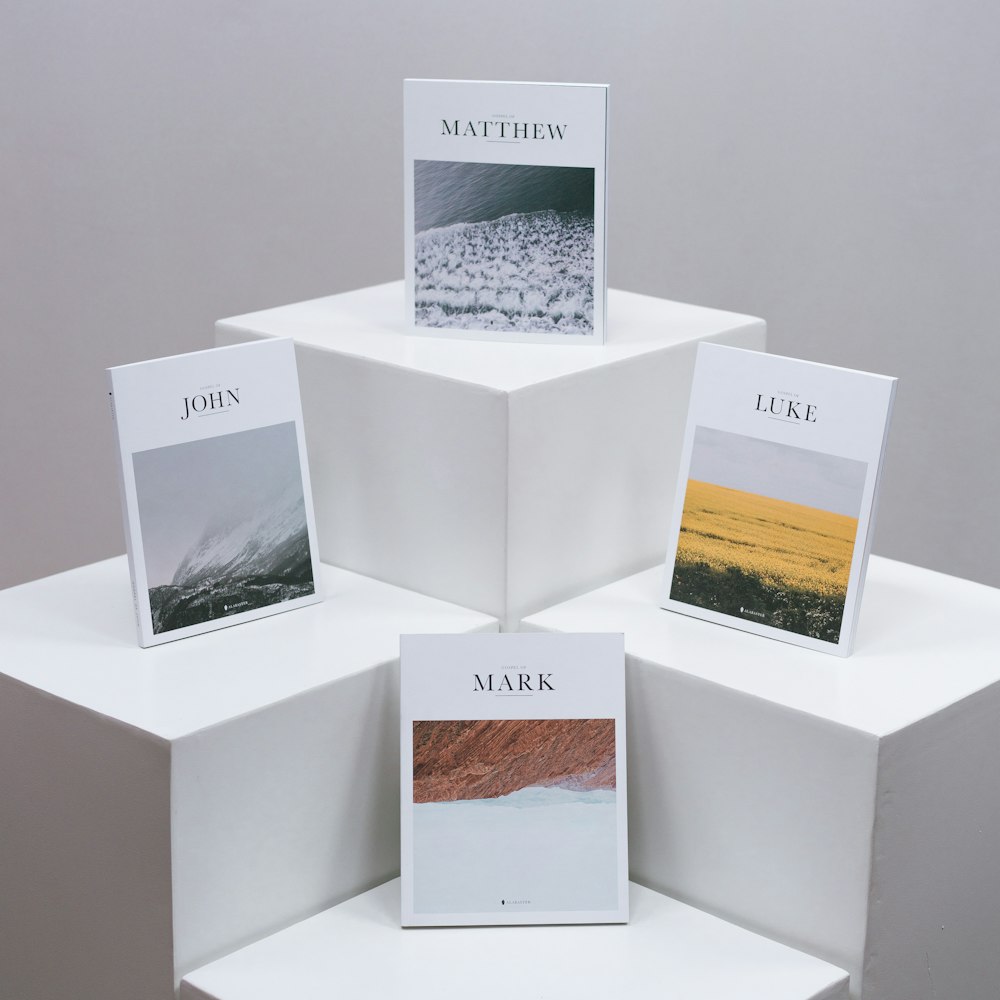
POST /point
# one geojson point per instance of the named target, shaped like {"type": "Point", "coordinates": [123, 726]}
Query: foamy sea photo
{"type": "Point", "coordinates": [504, 247]}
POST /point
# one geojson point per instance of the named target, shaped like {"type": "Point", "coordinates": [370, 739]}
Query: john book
{"type": "Point", "coordinates": [215, 488]}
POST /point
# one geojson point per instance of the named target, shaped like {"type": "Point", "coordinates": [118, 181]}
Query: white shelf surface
{"type": "Point", "coordinates": [165, 806]}
{"type": "Point", "coordinates": [470, 470]}
{"type": "Point", "coordinates": [72, 635]}
{"type": "Point", "coordinates": [846, 807]}
{"type": "Point", "coordinates": [368, 323]}
{"type": "Point", "coordinates": [668, 949]}
{"type": "Point", "coordinates": [925, 641]}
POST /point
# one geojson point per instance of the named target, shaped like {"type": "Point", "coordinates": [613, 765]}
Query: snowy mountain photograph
{"type": "Point", "coordinates": [223, 525]}
{"type": "Point", "coordinates": [514, 815]}
{"type": "Point", "coordinates": [504, 247]}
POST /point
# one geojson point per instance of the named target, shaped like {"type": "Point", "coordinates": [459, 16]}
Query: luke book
{"type": "Point", "coordinates": [505, 190]}
{"type": "Point", "coordinates": [215, 488]}
{"type": "Point", "coordinates": [513, 779]}
{"type": "Point", "coordinates": [776, 498]}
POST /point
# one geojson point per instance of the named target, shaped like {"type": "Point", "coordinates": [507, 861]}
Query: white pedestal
{"type": "Point", "coordinates": [848, 808]}
{"type": "Point", "coordinates": [667, 950]}
{"type": "Point", "coordinates": [503, 477]}
{"type": "Point", "coordinates": [161, 807]}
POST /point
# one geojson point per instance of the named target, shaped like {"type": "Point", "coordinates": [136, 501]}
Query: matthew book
{"type": "Point", "coordinates": [505, 192]}
{"type": "Point", "coordinates": [215, 488]}
{"type": "Point", "coordinates": [775, 505]}
{"type": "Point", "coordinates": [513, 779]}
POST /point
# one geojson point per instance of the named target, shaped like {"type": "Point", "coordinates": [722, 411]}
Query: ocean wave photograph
{"type": "Point", "coordinates": [504, 247]}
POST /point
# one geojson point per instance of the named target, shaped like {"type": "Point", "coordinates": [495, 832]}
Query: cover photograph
{"type": "Point", "coordinates": [505, 192]}
{"type": "Point", "coordinates": [513, 802]}
{"type": "Point", "coordinates": [776, 497]}
{"type": "Point", "coordinates": [215, 488]}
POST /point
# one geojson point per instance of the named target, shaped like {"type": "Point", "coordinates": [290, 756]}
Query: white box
{"type": "Point", "coordinates": [849, 808]}
{"type": "Point", "coordinates": [666, 950]}
{"type": "Point", "coordinates": [501, 476]}
{"type": "Point", "coordinates": [162, 807]}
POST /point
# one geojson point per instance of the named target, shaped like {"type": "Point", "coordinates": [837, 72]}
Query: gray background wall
{"type": "Point", "coordinates": [829, 165]}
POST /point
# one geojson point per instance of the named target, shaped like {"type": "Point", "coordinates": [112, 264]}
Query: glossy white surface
{"type": "Point", "coordinates": [667, 950]}
{"type": "Point", "coordinates": [470, 470]}
{"type": "Point", "coordinates": [845, 807]}
{"type": "Point", "coordinates": [368, 323]}
{"type": "Point", "coordinates": [925, 641]}
{"type": "Point", "coordinates": [73, 636]}
{"type": "Point", "coordinates": [164, 806]}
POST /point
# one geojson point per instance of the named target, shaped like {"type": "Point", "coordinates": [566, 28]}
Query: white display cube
{"type": "Point", "coordinates": [666, 950]}
{"type": "Point", "coordinates": [161, 807]}
{"type": "Point", "coordinates": [849, 808]}
{"type": "Point", "coordinates": [504, 477]}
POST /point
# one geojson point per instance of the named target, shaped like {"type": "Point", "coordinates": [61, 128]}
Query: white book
{"type": "Point", "coordinates": [215, 488]}
{"type": "Point", "coordinates": [513, 802]}
{"type": "Point", "coordinates": [776, 497]}
{"type": "Point", "coordinates": [505, 209]}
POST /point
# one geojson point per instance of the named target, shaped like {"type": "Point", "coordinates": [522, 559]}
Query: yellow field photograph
{"type": "Point", "coordinates": [768, 557]}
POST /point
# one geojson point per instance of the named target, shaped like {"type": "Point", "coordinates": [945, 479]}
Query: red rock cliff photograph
{"type": "Point", "coordinates": [485, 759]}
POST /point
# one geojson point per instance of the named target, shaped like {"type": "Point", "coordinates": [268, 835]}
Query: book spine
{"type": "Point", "coordinates": [848, 647]}
{"type": "Point", "coordinates": [126, 521]}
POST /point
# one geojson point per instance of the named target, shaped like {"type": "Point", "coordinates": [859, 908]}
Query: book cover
{"type": "Point", "coordinates": [505, 193]}
{"type": "Point", "coordinates": [215, 488]}
{"type": "Point", "coordinates": [776, 497]}
{"type": "Point", "coordinates": [513, 779]}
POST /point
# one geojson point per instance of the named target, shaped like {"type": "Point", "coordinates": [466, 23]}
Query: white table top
{"type": "Point", "coordinates": [368, 323]}
{"type": "Point", "coordinates": [668, 949]}
{"type": "Point", "coordinates": [925, 641]}
{"type": "Point", "coordinates": [73, 636]}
